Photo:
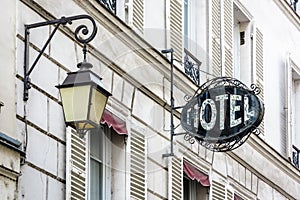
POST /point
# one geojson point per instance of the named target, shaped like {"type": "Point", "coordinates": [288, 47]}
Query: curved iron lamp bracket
{"type": "Point", "coordinates": [81, 29]}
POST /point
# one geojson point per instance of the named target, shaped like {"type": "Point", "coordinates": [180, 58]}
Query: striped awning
{"type": "Point", "coordinates": [115, 122]}
{"type": "Point", "coordinates": [194, 174]}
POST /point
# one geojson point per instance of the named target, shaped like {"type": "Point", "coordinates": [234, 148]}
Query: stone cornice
{"type": "Point", "coordinates": [289, 12]}
{"type": "Point", "coordinates": [260, 158]}
{"type": "Point", "coordinates": [271, 154]}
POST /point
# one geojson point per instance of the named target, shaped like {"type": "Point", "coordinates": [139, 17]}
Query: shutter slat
{"type": "Point", "coordinates": [228, 37]}
{"type": "Point", "coordinates": [259, 68]}
{"type": "Point", "coordinates": [218, 190]}
{"type": "Point", "coordinates": [176, 173]}
{"type": "Point", "coordinates": [137, 166]}
{"type": "Point", "coordinates": [176, 30]}
{"type": "Point", "coordinates": [76, 166]}
{"type": "Point", "coordinates": [138, 14]}
{"type": "Point", "coordinates": [216, 36]}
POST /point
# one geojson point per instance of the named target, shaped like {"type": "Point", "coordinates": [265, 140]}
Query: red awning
{"type": "Point", "coordinates": [115, 122]}
{"type": "Point", "coordinates": [237, 197]}
{"type": "Point", "coordinates": [194, 174]}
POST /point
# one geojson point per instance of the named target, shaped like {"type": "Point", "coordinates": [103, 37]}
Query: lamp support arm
{"type": "Point", "coordinates": [62, 21]}
{"type": "Point", "coordinates": [171, 51]}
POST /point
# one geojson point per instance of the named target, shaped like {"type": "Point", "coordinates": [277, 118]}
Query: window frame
{"type": "Point", "coordinates": [193, 189]}
{"type": "Point", "coordinates": [293, 75]}
{"type": "Point", "coordinates": [105, 133]}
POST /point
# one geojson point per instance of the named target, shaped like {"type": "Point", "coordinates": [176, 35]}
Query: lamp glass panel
{"type": "Point", "coordinates": [98, 102]}
{"type": "Point", "coordinates": [75, 102]}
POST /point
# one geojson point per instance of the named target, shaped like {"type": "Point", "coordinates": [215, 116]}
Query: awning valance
{"type": "Point", "coordinates": [194, 174]}
{"type": "Point", "coordinates": [115, 122]}
{"type": "Point", "coordinates": [237, 197]}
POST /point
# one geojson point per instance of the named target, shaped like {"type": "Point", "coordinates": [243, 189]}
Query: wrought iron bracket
{"type": "Point", "coordinates": [192, 69]}
{"type": "Point", "coordinates": [172, 108]}
{"type": "Point", "coordinates": [62, 21]}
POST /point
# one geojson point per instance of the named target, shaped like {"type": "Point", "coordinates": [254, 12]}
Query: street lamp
{"type": "Point", "coordinates": [83, 98]}
{"type": "Point", "coordinates": [82, 93]}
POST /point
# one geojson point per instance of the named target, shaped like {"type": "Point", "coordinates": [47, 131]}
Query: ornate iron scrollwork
{"type": "Point", "coordinates": [81, 29]}
{"type": "Point", "coordinates": [192, 68]}
{"type": "Point", "coordinates": [225, 141]}
{"type": "Point", "coordinates": [189, 138]}
{"type": "Point", "coordinates": [255, 89]}
{"type": "Point", "coordinates": [109, 4]}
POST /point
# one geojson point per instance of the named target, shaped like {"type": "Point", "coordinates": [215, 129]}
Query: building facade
{"type": "Point", "coordinates": [253, 41]}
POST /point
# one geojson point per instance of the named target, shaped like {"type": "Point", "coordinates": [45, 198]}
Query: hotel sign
{"type": "Point", "coordinates": [224, 110]}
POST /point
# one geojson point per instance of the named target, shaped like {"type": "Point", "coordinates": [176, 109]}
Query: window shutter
{"type": "Point", "coordinates": [228, 37]}
{"type": "Point", "coordinates": [216, 37]}
{"type": "Point", "coordinates": [259, 67]}
{"type": "Point", "coordinates": [138, 15]}
{"type": "Point", "coordinates": [176, 179]}
{"type": "Point", "coordinates": [229, 193]}
{"type": "Point", "coordinates": [76, 164]}
{"type": "Point", "coordinates": [137, 166]}
{"type": "Point", "coordinates": [176, 27]}
{"type": "Point", "coordinates": [217, 190]}
{"type": "Point", "coordinates": [289, 114]}
{"type": "Point", "coordinates": [221, 191]}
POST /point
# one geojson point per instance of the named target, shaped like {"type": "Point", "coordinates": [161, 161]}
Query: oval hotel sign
{"type": "Point", "coordinates": [225, 109]}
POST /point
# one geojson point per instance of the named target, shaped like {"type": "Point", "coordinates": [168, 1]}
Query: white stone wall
{"type": "Point", "coordinates": [8, 67]}
{"type": "Point", "coordinates": [9, 159]}
{"type": "Point", "coordinates": [280, 38]}
{"type": "Point", "coordinates": [138, 78]}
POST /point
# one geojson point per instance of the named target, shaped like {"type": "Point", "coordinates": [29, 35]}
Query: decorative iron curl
{"type": "Point", "coordinates": [57, 22]}
{"type": "Point", "coordinates": [255, 89]}
{"type": "Point", "coordinates": [221, 81]}
{"type": "Point", "coordinates": [255, 131]}
{"type": "Point", "coordinates": [187, 97]}
{"type": "Point", "coordinates": [189, 138]}
{"type": "Point", "coordinates": [220, 146]}
{"type": "Point", "coordinates": [81, 28]}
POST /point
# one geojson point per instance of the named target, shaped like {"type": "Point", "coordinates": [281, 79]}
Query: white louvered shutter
{"type": "Point", "coordinates": [138, 16]}
{"type": "Point", "coordinates": [176, 179]}
{"type": "Point", "coordinates": [228, 37]}
{"type": "Point", "coordinates": [289, 113]}
{"type": "Point", "coordinates": [137, 166]}
{"type": "Point", "coordinates": [229, 193]}
{"type": "Point", "coordinates": [176, 27]}
{"type": "Point", "coordinates": [76, 166]}
{"type": "Point", "coordinates": [258, 67]}
{"type": "Point", "coordinates": [218, 190]}
{"type": "Point", "coordinates": [216, 37]}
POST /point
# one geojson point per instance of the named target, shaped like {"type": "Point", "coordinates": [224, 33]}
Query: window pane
{"type": "Point", "coordinates": [186, 188]}
{"type": "Point", "coordinates": [95, 180]}
{"type": "Point", "coordinates": [186, 24]}
{"type": "Point", "coordinates": [96, 144]}
{"type": "Point", "coordinates": [192, 190]}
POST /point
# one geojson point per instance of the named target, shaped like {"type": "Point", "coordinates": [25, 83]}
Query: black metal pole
{"type": "Point", "coordinates": [172, 103]}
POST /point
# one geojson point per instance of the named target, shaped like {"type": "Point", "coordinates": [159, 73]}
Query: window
{"type": "Point", "coordinates": [293, 118]}
{"type": "Point", "coordinates": [193, 190]}
{"type": "Point", "coordinates": [195, 183]}
{"type": "Point", "coordinates": [241, 45]}
{"type": "Point", "coordinates": [106, 164]}
{"type": "Point", "coordinates": [195, 28]}
{"type": "Point", "coordinates": [100, 162]}
{"type": "Point", "coordinates": [95, 162]}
